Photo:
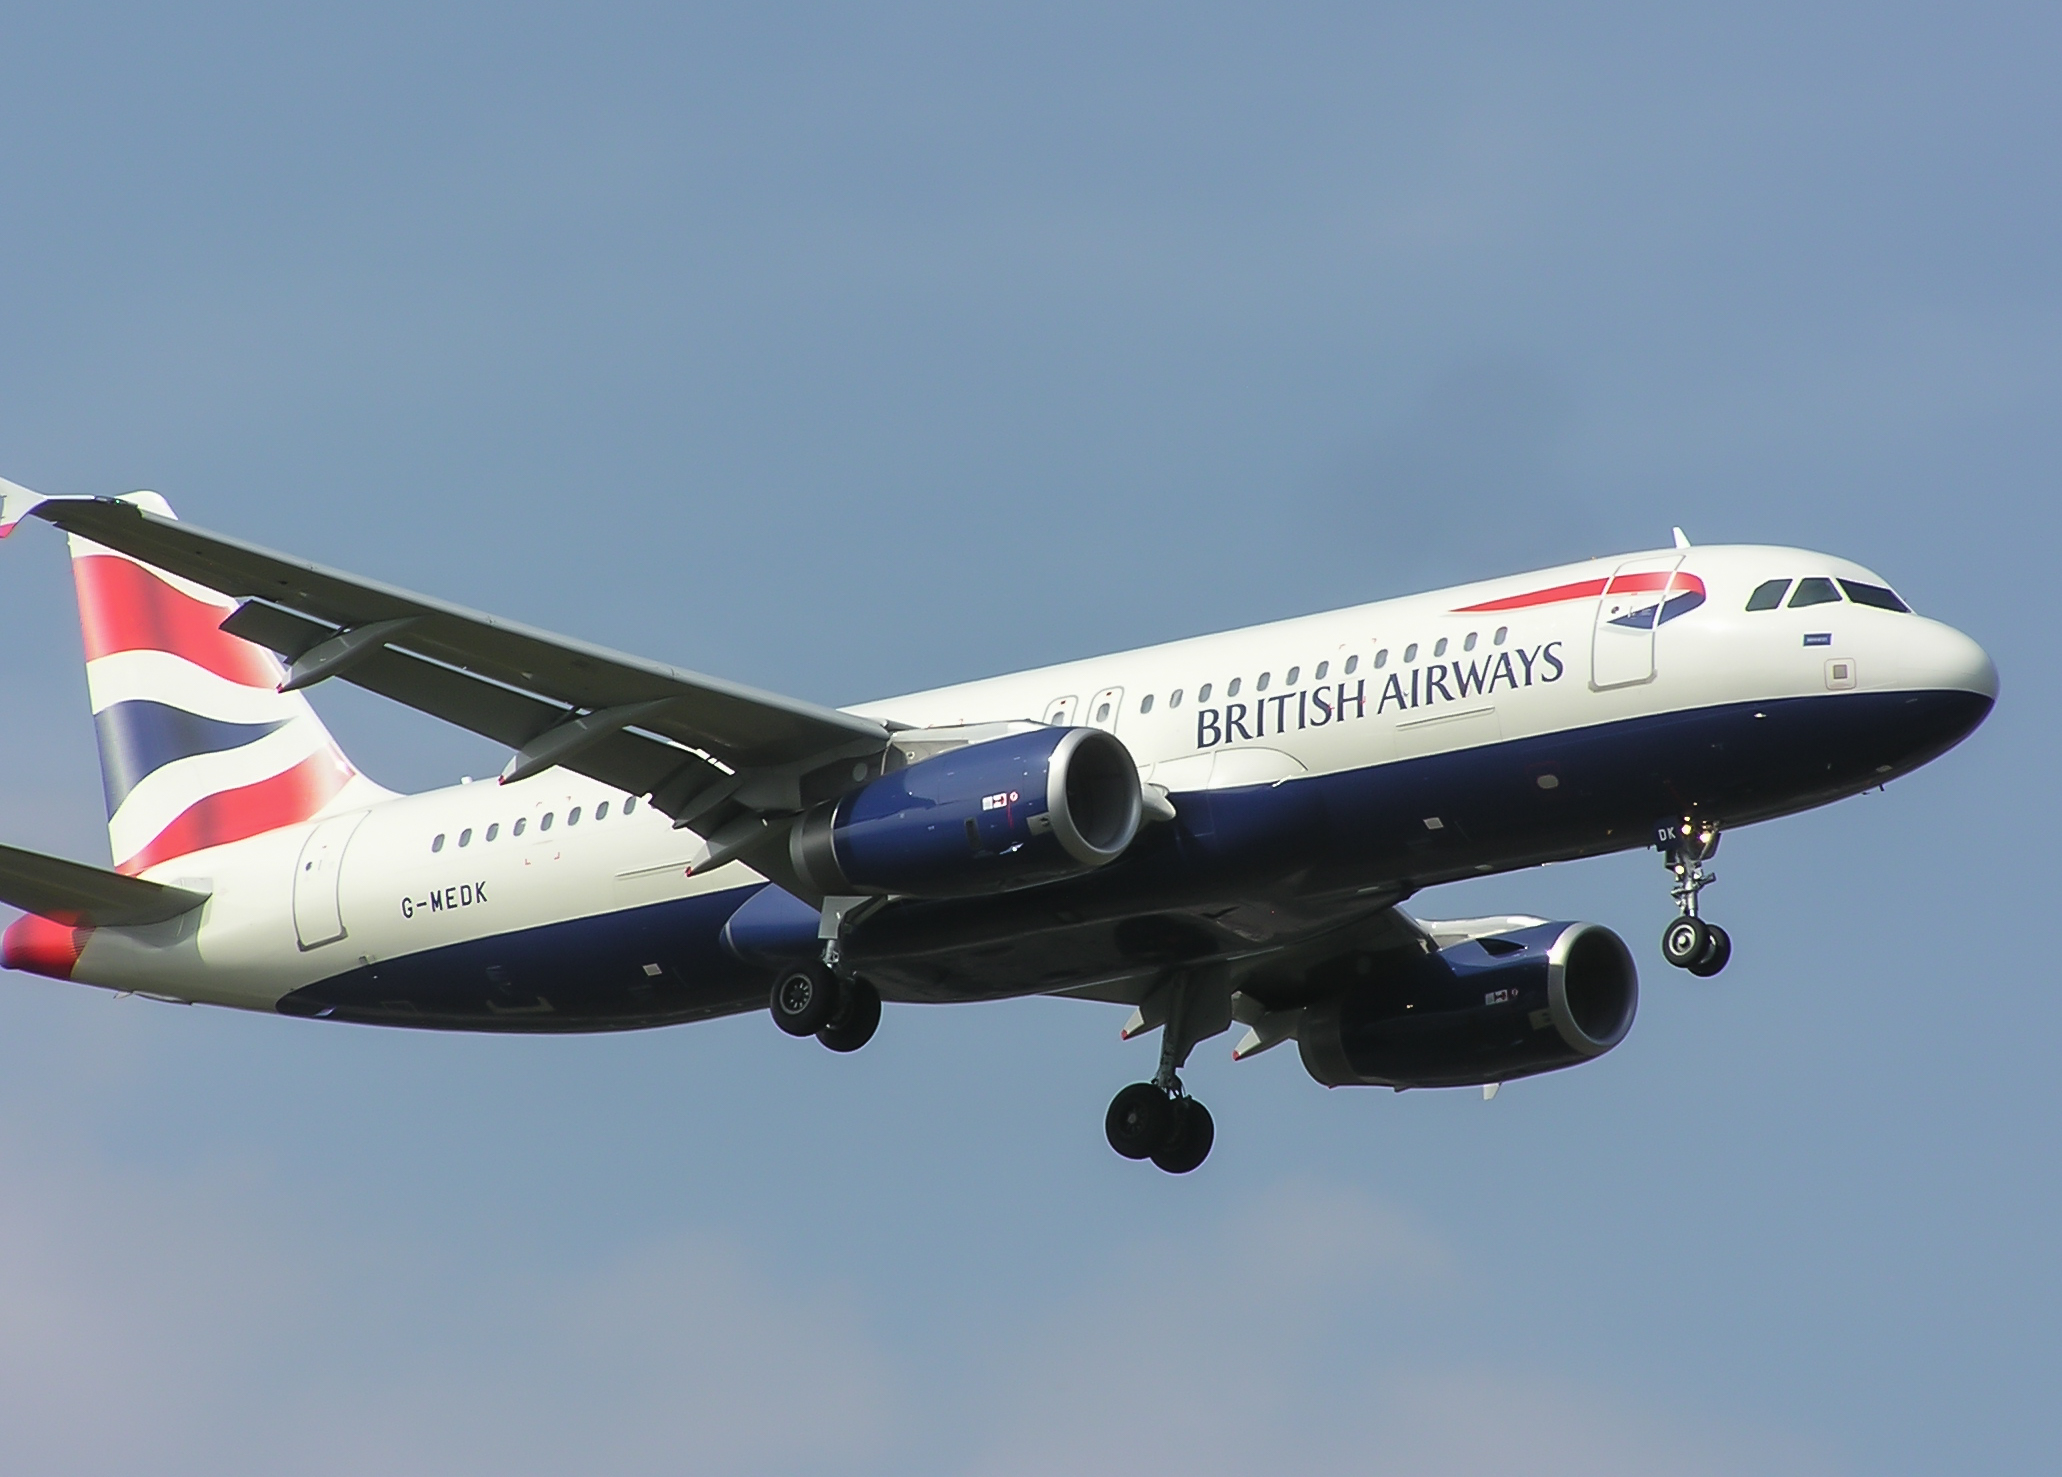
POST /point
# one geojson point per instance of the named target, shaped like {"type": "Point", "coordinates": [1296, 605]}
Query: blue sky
{"type": "Point", "coordinates": [847, 352]}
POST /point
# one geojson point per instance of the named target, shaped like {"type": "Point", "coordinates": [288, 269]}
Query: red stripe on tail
{"type": "Point", "coordinates": [41, 946]}
{"type": "Point", "coordinates": [124, 607]}
{"type": "Point", "coordinates": [285, 799]}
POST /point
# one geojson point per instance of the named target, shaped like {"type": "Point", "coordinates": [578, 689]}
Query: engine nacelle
{"type": "Point", "coordinates": [1488, 1010]}
{"type": "Point", "coordinates": [1012, 812]}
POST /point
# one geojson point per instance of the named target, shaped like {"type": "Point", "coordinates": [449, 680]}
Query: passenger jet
{"type": "Point", "coordinates": [1216, 830]}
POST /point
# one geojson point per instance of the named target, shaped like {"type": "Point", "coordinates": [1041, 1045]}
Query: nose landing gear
{"type": "Point", "coordinates": [1689, 942]}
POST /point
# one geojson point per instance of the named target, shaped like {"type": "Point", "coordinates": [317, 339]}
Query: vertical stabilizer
{"type": "Point", "coordinates": [198, 747]}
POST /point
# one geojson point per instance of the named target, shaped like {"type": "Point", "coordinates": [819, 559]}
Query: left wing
{"type": "Point", "coordinates": [725, 758]}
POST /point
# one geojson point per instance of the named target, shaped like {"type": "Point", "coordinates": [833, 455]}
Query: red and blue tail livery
{"type": "Point", "coordinates": [1213, 832]}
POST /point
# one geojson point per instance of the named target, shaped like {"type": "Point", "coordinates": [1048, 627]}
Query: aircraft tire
{"type": "Point", "coordinates": [858, 1017]}
{"type": "Point", "coordinates": [1716, 952]}
{"type": "Point", "coordinates": [1189, 1143]}
{"type": "Point", "coordinates": [804, 998]}
{"type": "Point", "coordinates": [1685, 941]}
{"type": "Point", "coordinates": [1138, 1121]}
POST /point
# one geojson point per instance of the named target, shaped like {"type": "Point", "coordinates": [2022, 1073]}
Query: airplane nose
{"type": "Point", "coordinates": [1963, 666]}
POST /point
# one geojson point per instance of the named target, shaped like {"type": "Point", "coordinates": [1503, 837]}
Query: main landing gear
{"type": "Point", "coordinates": [809, 1000]}
{"type": "Point", "coordinates": [1689, 942]}
{"type": "Point", "coordinates": [1158, 1120]}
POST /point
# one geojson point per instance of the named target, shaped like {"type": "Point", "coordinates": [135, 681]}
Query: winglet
{"type": "Point", "coordinates": [16, 503]}
{"type": "Point", "coordinates": [1682, 540]}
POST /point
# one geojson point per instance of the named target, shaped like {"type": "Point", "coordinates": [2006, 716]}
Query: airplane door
{"type": "Point", "coordinates": [318, 913]}
{"type": "Point", "coordinates": [1104, 707]}
{"type": "Point", "coordinates": [1060, 711]}
{"type": "Point", "coordinates": [1622, 647]}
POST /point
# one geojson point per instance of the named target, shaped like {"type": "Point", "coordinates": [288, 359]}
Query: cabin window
{"type": "Point", "coordinates": [1875, 595]}
{"type": "Point", "coordinates": [438, 844]}
{"type": "Point", "coordinates": [1319, 674]}
{"type": "Point", "coordinates": [1145, 704]}
{"type": "Point", "coordinates": [1469, 644]}
{"type": "Point", "coordinates": [629, 804]}
{"type": "Point", "coordinates": [1353, 662]}
{"type": "Point", "coordinates": [1174, 698]}
{"type": "Point", "coordinates": [1203, 693]}
{"type": "Point", "coordinates": [1439, 647]}
{"type": "Point", "coordinates": [545, 824]}
{"type": "Point", "coordinates": [1501, 632]}
{"type": "Point", "coordinates": [1232, 688]}
{"type": "Point", "coordinates": [573, 816]}
{"type": "Point", "coordinates": [1261, 685]}
{"type": "Point", "coordinates": [601, 811]}
{"type": "Point", "coordinates": [465, 837]}
{"type": "Point", "coordinates": [494, 831]}
{"type": "Point", "coordinates": [1410, 652]}
{"type": "Point", "coordinates": [1814, 592]}
{"type": "Point", "coordinates": [1767, 595]}
{"type": "Point", "coordinates": [517, 828]}
{"type": "Point", "coordinates": [1294, 673]}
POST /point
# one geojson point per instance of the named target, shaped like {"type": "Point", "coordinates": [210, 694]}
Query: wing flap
{"type": "Point", "coordinates": [75, 893]}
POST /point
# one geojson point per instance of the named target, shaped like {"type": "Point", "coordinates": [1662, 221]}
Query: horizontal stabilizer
{"type": "Point", "coordinates": [74, 893]}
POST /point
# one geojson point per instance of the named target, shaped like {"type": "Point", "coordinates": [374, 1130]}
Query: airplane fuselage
{"type": "Point", "coordinates": [1318, 768]}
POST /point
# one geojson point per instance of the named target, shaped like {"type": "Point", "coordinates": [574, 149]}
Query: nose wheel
{"type": "Point", "coordinates": [1690, 942]}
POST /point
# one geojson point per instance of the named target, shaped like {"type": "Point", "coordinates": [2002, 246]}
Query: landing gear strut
{"type": "Point", "coordinates": [1158, 1120]}
{"type": "Point", "coordinates": [1689, 942]}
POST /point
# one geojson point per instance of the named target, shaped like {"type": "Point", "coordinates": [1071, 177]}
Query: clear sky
{"type": "Point", "coordinates": [850, 350]}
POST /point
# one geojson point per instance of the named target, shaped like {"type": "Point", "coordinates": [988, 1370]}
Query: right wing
{"type": "Point", "coordinates": [725, 758]}
{"type": "Point", "coordinates": [74, 893]}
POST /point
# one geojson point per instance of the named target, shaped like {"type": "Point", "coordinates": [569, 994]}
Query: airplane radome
{"type": "Point", "coordinates": [1215, 831]}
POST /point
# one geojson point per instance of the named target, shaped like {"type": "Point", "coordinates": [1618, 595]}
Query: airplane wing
{"type": "Point", "coordinates": [711, 753]}
{"type": "Point", "coordinates": [74, 893]}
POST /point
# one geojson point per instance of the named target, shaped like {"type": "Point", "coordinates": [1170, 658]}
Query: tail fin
{"type": "Point", "coordinates": [198, 747]}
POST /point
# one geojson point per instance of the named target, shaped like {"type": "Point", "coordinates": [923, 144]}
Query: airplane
{"type": "Point", "coordinates": [1212, 831]}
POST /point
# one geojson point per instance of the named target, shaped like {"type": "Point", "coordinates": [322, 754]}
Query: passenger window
{"type": "Point", "coordinates": [1174, 698]}
{"type": "Point", "coordinates": [1439, 647]}
{"type": "Point", "coordinates": [1875, 595]}
{"type": "Point", "coordinates": [1410, 652]}
{"type": "Point", "coordinates": [1102, 713]}
{"type": "Point", "coordinates": [545, 824]}
{"type": "Point", "coordinates": [517, 828]}
{"type": "Point", "coordinates": [1501, 632]}
{"type": "Point", "coordinates": [494, 831]}
{"type": "Point", "coordinates": [438, 844]}
{"type": "Point", "coordinates": [601, 811]}
{"type": "Point", "coordinates": [573, 816]}
{"type": "Point", "coordinates": [1203, 693]}
{"type": "Point", "coordinates": [1145, 704]}
{"type": "Point", "coordinates": [1767, 595]}
{"type": "Point", "coordinates": [1294, 673]}
{"type": "Point", "coordinates": [1322, 668]}
{"type": "Point", "coordinates": [1261, 685]}
{"type": "Point", "coordinates": [1814, 592]}
{"type": "Point", "coordinates": [465, 837]}
{"type": "Point", "coordinates": [629, 804]}
{"type": "Point", "coordinates": [1232, 688]}
{"type": "Point", "coordinates": [1469, 644]}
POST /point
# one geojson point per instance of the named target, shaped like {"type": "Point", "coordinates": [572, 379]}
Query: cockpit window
{"type": "Point", "coordinates": [1875, 595]}
{"type": "Point", "coordinates": [1814, 592]}
{"type": "Point", "coordinates": [1767, 595]}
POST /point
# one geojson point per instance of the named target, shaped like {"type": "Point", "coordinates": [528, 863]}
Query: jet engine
{"type": "Point", "coordinates": [1486, 1010]}
{"type": "Point", "coordinates": [1012, 812]}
